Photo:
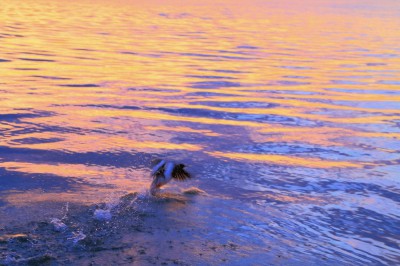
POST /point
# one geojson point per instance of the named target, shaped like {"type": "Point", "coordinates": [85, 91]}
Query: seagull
{"type": "Point", "coordinates": [164, 171]}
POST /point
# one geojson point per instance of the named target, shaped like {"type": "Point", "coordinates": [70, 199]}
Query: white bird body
{"type": "Point", "coordinates": [163, 172]}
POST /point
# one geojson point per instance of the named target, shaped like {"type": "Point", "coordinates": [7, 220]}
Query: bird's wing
{"type": "Point", "coordinates": [168, 170]}
{"type": "Point", "coordinates": [157, 167]}
{"type": "Point", "coordinates": [180, 174]}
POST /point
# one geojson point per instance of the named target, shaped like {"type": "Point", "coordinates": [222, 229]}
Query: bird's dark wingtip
{"type": "Point", "coordinates": [180, 174]}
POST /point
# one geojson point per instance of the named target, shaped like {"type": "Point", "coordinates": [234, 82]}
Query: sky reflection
{"type": "Point", "coordinates": [289, 110]}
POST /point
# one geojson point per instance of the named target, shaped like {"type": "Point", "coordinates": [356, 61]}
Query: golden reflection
{"type": "Point", "coordinates": [64, 170]}
{"type": "Point", "coordinates": [28, 198]}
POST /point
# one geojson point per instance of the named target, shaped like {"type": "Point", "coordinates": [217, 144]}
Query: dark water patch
{"type": "Point", "coordinates": [50, 77]}
{"type": "Point", "coordinates": [354, 76]}
{"type": "Point", "coordinates": [237, 57]}
{"type": "Point", "coordinates": [287, 83]}
{"type": "Point", "coordinates": [197, 55]}
{"type": "Point", "coordinates": [37, 140]}
{"type": "Point", "coordinates": [128, 52]}
{"type": "Point", "coordinates": [85, 49]}
{"type": "Point", "coordinates": [39, 53]}
{"type": "Point", "coordinates": [388, 162]}
{"type": "Point", "coordinates": [115, 159]}
{"type": "Point", "coordinates": [287, 183]}
{"type": "Point", "coordinates": [197, 37]}
{"type": "Point", "coordinates": [375, 64]}
{"type": "Point", "coordinates": [26, 68]}
{"type": "Point", "coordinates": [214, 84]}
{"type": "Point", "coordinates": [85, 58]}
{"type": "Point", "coordinates": [383, 55]}
{"type": "Point", "coordinates": [176, 16]}
{"type": "Point", "coordinates": [233, 104]}
{"type": "Point", "coordinates": [363, 91]}
{"type": "Point", "coordinates": [31, 127]}
{"type": "Point", "coordinates": [209, 77]}
{"type": "Point", "coordinates": [36, 59]}
{"type": "Point", "coordinates": [293, 149]}
{"type": "Point", "coordinates": [296, 67]}
{"type": "Point", "coordinates": [209, 94]}
{"type": "Point", "coordinates": [17, 27]}
{"type": "Point", "coordinates": [152, 55]}
{"type": "Point", "coordinates": [349, 66]}
{"type": "Point", "coordinates": [196, 112]}
{"type": "Point", "coordinates": [89, 85]}
{"type": "Point", "coordinates": [237, 116]}
{"type": "Point", "coordinates": [389, 145]}
{"type": "Point", "coordinates": [216, 57]}
{"type": "Point", "coordinates": [287, 55]}
{"type": "Point", "coordinates": [109, 106]}
{"type": "Point", "coordinates": [348, 82]}
{"type": "Point", "coordinates": [225, 71]}
{"type": "Point", "coordinates": [363, 223]}
{"type": "Point", "coordinates": [6, 35]}
{"type": "Point", "coordinates": [294, 92]}
{"type": "Point", "coordinates": [389, 82]}
{"type": "Point", "coordinates": [234, 52]}
{"type": "Point", "coordinates": [347, 113]}
{"type": "Point", "coordinates": [150, 89]}
{"type": "Point", "coordinates": [363, 188]}
{"type": "Point", "coordinates": [16, 117]}
{"type": "Point", "coordinates": [4, 60]}
{"type": "Point", "coordinates": [20, 181]}
{"type": "Point", "coordinates": [249, 47]}
{"type": "Point", "coordinates": [374, 105]}
{"type": "Point", "coordinates": [296, 77]}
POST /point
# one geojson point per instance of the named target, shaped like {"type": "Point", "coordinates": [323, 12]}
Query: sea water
{"type": "Point", "coordinates": [286, 113]}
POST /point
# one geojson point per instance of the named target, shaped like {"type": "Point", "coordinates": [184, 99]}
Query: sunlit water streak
{"type": "Point", "coordinates": [287, 113]}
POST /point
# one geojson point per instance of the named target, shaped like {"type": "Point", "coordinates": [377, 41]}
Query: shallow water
{"type": "Point", "coordinates": [287, 115]}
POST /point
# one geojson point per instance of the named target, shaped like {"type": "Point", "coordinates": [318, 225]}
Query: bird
{"type": "Point", "coordinates": [164, 171]}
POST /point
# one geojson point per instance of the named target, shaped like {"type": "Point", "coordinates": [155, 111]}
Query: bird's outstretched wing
{"type": "Point", "coordinates": [180, 174]}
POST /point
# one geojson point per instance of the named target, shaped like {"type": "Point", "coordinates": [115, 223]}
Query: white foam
{"type": "Point", "coordinates": [77, 236]}
{"type": "Point", "coordinates": [58, 225]}
{"type": "Point", "coordinates": [102, 215]}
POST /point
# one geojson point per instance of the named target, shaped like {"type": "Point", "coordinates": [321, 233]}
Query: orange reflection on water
{"type": "Point", "coordinates": [64, 170]}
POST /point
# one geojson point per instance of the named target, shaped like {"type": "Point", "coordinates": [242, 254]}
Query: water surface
{"type": "Point", "coordinates": [287, 115]}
